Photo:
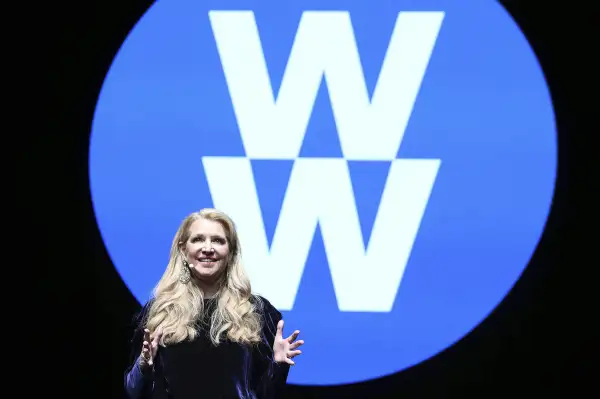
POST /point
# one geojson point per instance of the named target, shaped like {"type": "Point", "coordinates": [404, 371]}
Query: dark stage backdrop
{"type": "Point", "coordinates": [527, 345]}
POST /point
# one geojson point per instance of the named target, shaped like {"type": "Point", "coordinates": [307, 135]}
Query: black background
{"type": "Point", "coordinates": [533, 343]}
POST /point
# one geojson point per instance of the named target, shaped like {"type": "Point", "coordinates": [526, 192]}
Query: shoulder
{"type": "Point", "coordinates": [141, 317]}
{"type": "Point", "coordinates": [138, 322]}
{"type": "Point", "coordinates": [265, 307]}
{"type": "Point", "coordinates": [263, 304]}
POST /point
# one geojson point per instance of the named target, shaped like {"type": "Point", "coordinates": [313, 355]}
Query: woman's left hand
{"type": "Point", "coordinates": [285, 349]}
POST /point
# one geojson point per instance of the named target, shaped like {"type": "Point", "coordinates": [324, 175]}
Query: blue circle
{"type": "Point", "coordinates": [483, 109]}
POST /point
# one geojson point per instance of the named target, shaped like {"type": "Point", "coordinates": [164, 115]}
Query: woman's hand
{"type": "Point", "coordinates": [285, 349]}
{"type": "Point", "coordinates": [149, 347]}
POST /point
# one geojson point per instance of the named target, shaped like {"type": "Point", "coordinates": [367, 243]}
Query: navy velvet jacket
{"type": "Point", "coordinates": [199, 370]}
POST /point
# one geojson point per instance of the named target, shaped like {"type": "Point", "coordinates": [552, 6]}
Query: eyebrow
{"type": "Point", "coordinates": [201, 234]}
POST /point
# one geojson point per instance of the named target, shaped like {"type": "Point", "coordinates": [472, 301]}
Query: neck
{"type": "Point", "coordinates": [209, 290]}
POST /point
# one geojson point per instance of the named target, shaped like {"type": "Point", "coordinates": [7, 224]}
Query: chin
{"type": "Point", "coordinates": [207, 272]}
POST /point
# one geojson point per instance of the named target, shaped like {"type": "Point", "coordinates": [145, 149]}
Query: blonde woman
{"type": "Point", "coordinates": [204, 334]}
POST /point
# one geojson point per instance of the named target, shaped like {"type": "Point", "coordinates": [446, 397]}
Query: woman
{"type": "Point", "coordinates": [204, 334]}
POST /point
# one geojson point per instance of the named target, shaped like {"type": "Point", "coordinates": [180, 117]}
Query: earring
{"type": "Point", "coordinates": [185, 275]}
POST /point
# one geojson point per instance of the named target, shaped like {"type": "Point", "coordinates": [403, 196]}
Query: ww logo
{"type": "Point", "coordinates": [285, 115]}
{"type": "Point", "coordinates": [319, 190]}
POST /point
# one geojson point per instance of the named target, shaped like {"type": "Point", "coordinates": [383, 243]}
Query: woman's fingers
{"type": "Point", "coordinates": [293, 337]}
{"type": "Point", "coordinates": [296, 344]}
{"type": "Point", "coordinates": [279, 332]}
{"type": "Point", "coordinates": [293, 354]}
{"type": "Point", "coordinates": [155, 341]}
{"type": "Point", "coordinates": [156, 338]}
{"type": "Point", "coordinates": [147, 352]}
{"type": "Point", "coordinates": [150, 345]}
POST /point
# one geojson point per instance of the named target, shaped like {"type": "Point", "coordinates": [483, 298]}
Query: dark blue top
{"type": "Point", "coordinates": [199, 370]}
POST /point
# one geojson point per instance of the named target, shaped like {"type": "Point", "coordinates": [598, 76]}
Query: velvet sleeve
{"type": "Point", "coordinates": [138, 383]}
{"type": "Point", "coordinates": [273, 376]}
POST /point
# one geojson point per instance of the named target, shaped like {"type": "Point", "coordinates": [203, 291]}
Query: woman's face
{"type": "Point", "coordinates": [206, 250]}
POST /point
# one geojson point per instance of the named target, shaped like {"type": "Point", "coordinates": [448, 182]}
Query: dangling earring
{"type": "Point", "coordinates": [185, 275]}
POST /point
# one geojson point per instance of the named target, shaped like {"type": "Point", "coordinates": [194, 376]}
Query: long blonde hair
{"type": "Point", "coordinates": [176, 307]}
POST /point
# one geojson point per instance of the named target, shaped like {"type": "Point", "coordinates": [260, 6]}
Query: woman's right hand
{"type": "Point", "coordinates": [149, 347]}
